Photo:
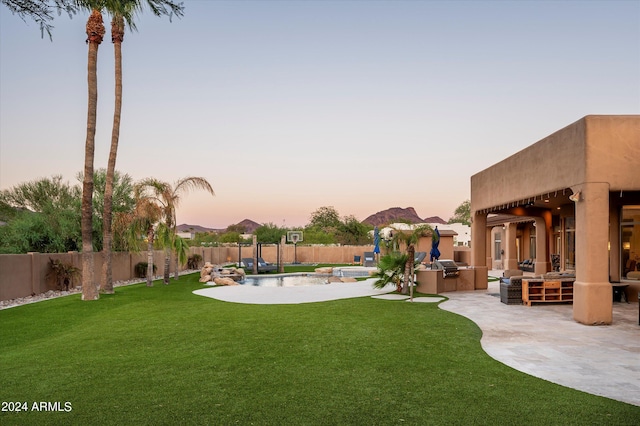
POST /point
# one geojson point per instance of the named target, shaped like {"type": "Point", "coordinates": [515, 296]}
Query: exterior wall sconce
{"type": "Point", "coordinates": [575, 197]}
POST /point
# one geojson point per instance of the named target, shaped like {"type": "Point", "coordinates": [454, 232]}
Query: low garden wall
{"type": "Point", "coordinates": [23, 275]}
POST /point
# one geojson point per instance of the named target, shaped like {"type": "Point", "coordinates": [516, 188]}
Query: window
{"type": "Point", "coordinates": [532, 242]}
{"type": "Point", "coordinates": [570, 243]}
{"type": "Point", "coordinates": [630, 239]}
{"type": "Point", "coordinates": [498, 246]}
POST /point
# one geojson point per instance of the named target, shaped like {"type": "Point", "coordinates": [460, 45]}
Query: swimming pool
{"type": "Point", "coordinates": [285, 281]}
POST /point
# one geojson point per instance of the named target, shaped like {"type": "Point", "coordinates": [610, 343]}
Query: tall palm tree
{"type": "Point", "coordinates": [121, 11]}
{"type": "Point", "coordinates": [95, 33]}
{"type": "Point", "coordinates": [169, 198]}
{"type": "Point", "coordinates": [117, 36]}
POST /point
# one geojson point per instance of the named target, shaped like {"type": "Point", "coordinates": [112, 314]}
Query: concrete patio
{"type": "Point", "coordinates": [544, 341]}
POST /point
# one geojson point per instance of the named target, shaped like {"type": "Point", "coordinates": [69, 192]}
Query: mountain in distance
{"type": "Point", "coordinates": [385, 217]}
{"type": "Point", "coordinates": [434, 219]}
{"type": "Point", "coordinates": [195, 228]}
{"type": "Point", "coordinates": [249, 226]}
{"type": "Point", "coordinates": [398, 214]}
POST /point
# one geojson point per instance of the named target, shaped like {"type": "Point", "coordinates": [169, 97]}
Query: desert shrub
{"type": "Point", "coordinates": [193, 262]}
{"type": "Point", "coordinates": [64, 274]}
{"type": "Point", "coordinates": [141, 269]}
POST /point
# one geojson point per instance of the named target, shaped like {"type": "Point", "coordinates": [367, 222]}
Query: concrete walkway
{"type": "Point", "coordinates": [544, 341]}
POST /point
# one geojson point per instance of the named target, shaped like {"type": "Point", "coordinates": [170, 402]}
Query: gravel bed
{"type": "Point", "coordinates": [52, 294]}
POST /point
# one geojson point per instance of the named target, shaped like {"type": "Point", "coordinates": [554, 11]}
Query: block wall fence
{"type": "Point", "coordinates": [23, 275]}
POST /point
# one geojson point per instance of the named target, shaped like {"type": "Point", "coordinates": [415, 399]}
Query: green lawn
{"type": "Point", "coordinates": [162, 355]}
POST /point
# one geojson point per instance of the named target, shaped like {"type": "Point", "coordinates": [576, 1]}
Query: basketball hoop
{"type": "Point", "coordinates": [294, 237]}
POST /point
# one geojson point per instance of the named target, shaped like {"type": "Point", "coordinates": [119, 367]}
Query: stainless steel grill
{"type": "Point", "coordinates": [449, 268]}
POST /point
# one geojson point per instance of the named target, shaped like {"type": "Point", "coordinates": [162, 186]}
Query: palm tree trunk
{"type": "Point", "coordinates": [150, 258]}
{"type": "Point", "coordinates": [117, 35]}
{"type": "Point", "coordinates": [167, 263]}
{"type": "Point", "coordinates": [408, 268]}
{"type": "Point", "coordinates": [95, 31]}
{"type": "Point", "coordinates": [177, 266]}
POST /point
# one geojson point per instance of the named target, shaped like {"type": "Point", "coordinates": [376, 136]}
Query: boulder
{"type": "Point", "coordinates": [205, 278]}
{"type": "Point", "coordinates": [325, 270]}
{"type": "Point", "coordinates": [224, 281]}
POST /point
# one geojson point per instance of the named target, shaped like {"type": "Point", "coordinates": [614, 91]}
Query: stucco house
{"type": "Point", "coordinates": [571, 201]}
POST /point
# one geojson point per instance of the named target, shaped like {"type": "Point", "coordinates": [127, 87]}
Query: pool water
{"type": "Point", "coordinates": [285, 281]}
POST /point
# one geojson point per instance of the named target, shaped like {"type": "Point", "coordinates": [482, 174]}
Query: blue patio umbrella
{"type": "Point", "coordinates": [376, 240]}
{"type": "Point", "coordinates": [435, 241]}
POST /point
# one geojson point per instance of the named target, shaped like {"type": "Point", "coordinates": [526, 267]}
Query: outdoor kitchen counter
{"type": "Point", "coordinates": [432, 281]}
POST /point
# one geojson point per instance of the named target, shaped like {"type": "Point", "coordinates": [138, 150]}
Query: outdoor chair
{"type": "Point", "coordinates": [528, 265]}
{"type": "Point", "coordinates": [369, 259]}
{"type": "Point", "coordinates": [262, 265]}
{"type": "Point", "coordinates": [420, 256]}
{"type": "Point", "coordinates": [511, 290]}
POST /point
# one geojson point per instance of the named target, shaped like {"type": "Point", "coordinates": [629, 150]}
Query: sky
{"type": "Point", "coordinates": [289, 106]}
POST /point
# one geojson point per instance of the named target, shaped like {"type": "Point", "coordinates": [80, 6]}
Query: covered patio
{"type": "Point", "coordinates": [570, 202]}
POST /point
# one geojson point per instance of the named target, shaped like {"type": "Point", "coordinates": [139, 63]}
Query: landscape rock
{"type": "Point", "coordinates": [224, 281]}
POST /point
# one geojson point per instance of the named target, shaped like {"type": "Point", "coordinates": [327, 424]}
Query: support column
{"type": "Point", "coordinates": [542, 264]}
{"type": "Point", "coordinates": [592, 292]}
{"type": "Point", "coordinates": [511, 255]}
{"type": "Point", "coordinates": [615, 243]}
{"type": "Point", "coordinates": [488, 240]}
{"type": "Point", "coordinates": [479, 233]}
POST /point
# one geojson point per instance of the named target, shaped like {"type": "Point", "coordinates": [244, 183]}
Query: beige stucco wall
{"type": "Point", "coordinates": [613, 151]}
{"type": "Point", "coordinates": [593, 149]}
{"type": "Point", "coordinates": [530, 172]}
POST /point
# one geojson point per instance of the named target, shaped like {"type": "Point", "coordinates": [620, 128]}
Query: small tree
{"type": "Point", "coordinates": [269, 233]}
{"type": "Point", "coordinates": [325, 218]}
{"type": "Point", "coordinates": [142, 226]}
{"type": "Point", "coordinates": [353, 232]}
{"type": "Point", "coordinates": [462, 213]}
{"type": "Point", "coordinates": [315, 235]}
{"type": "Point", "coordinates": [240, 229]}
{"type": "Point", "coordinates": [391, 270]}
{"type": "Point", "coordinates": [409, 239]}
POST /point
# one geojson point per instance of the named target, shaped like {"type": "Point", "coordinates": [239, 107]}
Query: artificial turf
{"type": "Point", "coordinates": [162, 355]}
